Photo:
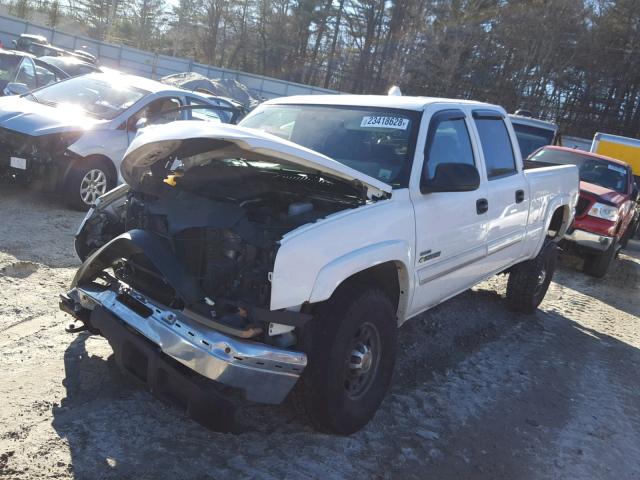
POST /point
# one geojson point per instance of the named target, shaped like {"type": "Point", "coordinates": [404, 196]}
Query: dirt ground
{"type": "Point", "coordinates": [478, 392]}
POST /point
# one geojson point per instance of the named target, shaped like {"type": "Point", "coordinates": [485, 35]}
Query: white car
{"type": "Point", "coordinates": [261, 264]}
{"type": "Point", "coordinates": [71, 136]}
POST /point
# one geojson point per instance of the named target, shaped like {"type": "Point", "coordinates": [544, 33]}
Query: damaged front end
{"type": "Point", "coordinates": [43, 158]}
{"type": "Point", "coordinates": [183, 256]}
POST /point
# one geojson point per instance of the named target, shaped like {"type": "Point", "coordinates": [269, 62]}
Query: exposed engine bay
{"type": "Point", "coordinates": [221, 220]}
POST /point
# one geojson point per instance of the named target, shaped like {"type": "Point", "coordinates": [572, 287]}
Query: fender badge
{"type": "Point", "coordinates": [427, 255]}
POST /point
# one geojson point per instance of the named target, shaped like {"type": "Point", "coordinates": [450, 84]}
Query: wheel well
{"type": "Point", "coordinates": [558, 223]}
{"type": "Point", "coordinates": [100, 158]}
{"type": "Point", "coordinates": [390, 277]}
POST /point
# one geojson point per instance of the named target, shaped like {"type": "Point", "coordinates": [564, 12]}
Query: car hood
{"type": "Point", "coordinates": [26, 116]}
{"type": "Point", "coordinates": [603, 193]}
{"type": "Point", "coordinates": [157, 142]}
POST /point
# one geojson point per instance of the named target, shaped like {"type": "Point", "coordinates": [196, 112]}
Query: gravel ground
{"type": "Point", "coordinates": [478, 392]}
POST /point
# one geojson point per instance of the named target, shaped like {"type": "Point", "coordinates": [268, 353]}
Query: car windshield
{"type": "Point", "coordinates": [592, 170]}
{"type": "Point", "coordinates": [101, 96]}
{"type": "Point", "coordinates": [376, 141]}
{"type": "Point", "coordinates": [71, 66]}
{"type": "Point", "coordinates": [532, 138]}
{"type": "Point", "coordinates": [8, 65]}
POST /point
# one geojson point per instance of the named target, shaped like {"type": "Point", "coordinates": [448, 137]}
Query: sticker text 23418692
{"type": "Point", "coordinates": [379, 121]}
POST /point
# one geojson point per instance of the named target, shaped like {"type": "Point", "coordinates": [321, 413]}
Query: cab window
{"type": "Point", "coordinates": [498, 153]}
{"type": "Point", "coordinates": [449, 142]}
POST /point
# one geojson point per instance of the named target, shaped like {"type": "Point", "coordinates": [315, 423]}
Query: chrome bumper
{"type": "Point", "coordinates": [589, 240]}
{"type": "Point", "coordinates": [266, 374]}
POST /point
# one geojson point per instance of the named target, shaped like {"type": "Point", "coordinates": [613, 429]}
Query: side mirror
{"type": "Point", "coordinates": [452, 177]}
{"type": "Point", "coordinates": [141, 123]}
{"type": "Point", "coordinates": [14, 43]}
{"type": "Point", "coordinates": [634, 195]}
{"type": "Point", "coordinates": [14, 88]}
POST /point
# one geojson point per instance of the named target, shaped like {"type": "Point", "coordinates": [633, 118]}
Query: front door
{"type": "Point", "coordinates": [451, 227]}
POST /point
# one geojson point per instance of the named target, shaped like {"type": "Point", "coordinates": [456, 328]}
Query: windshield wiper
{"type": "Point", "coordinates": [32, 96]}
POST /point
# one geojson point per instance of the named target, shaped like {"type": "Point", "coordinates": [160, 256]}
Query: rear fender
{"type": "Point", "coordinates": [561, 201]}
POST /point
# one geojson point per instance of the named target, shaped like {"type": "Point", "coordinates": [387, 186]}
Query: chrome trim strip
{"type": "Point", "coordinates": [504, 242]}
{"type": "Point", "coordinates": [448, 271]}
{"type": "Point", "coordinates": [499, 244]}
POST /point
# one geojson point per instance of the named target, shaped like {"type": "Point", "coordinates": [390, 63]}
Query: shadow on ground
{"type": "Point", "coordinates": [478, 393]}
{"type": "Point", "coordinates": [619, 287]}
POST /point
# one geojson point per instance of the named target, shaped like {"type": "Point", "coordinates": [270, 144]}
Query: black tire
{"type": "Point", "coordinates": [94, 173]}
{"type": "Point", "coordinates": [333, 394]}
{"type": "Point", "coordinates": [629, 233]}
{"type": "Point", "coordinates": [529, 281]}
{"type": "Point", "coordinates": [597, 264]}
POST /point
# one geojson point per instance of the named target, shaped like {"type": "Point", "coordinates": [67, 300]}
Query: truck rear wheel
{"type": "Point", "coordinates": [351, 349]}
{"type": "Point", "coordinates": [597, 264]}
{"type": "Point", "coordinates": [529, 281]}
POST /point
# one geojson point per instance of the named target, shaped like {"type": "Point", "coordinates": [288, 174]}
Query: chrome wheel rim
{"type": "Point", "coordinates": [362, 361]}
{"type": "Point", "coordinates": [93, 185]}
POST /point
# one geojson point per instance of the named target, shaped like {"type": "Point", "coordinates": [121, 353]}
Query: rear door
{"type": "Point", "coordinates": [451, 227]}
{"type": "Point", "coordinates": [508, 192]}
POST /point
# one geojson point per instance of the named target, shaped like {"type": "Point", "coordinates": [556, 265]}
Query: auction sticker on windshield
{"type": "Point", "coordinates": [378, 121]}
{"type": "Point", "coordinates": [616, 168]}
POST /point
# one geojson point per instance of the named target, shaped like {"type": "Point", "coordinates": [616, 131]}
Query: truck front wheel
{"type": "Point", "coordinates": [529, 281]}
{"type": "Point", "coordinates": [351, 349]}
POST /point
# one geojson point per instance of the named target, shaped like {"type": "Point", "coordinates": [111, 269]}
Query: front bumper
{"type": "Point", "coordinates": [589, 240]}
{"type": "Point", "coordinates": [266, 374]}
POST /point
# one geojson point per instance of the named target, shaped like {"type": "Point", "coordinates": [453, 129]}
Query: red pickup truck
{"type": "Point", "coordinates": [606, 216]}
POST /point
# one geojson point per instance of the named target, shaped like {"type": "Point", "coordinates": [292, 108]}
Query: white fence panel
{"type": "Point", "coordinates": [148, 64]}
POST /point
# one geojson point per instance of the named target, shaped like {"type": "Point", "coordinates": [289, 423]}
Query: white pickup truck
{"type": "Point", "coordinates": [280, 259]}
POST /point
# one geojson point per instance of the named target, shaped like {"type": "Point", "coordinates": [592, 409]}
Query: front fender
{"type": "Point", "coordinates": [335, 272]}
{"type": "Point", "coordinates": [315, 258]}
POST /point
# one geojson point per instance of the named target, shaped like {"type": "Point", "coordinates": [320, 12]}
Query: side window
{"type": "Point", "coordinates": [27, 74]}
{"type": "Point", "coordinates": [496, 145]}
{"type": "Point", "coordinates": [208, 112]}
{"type": "Point", "coordinates": [44, 76]}
{"type": "Point", "coordinates": [161, 110]}
{"type": "Point", "coordinates": [448, 142]}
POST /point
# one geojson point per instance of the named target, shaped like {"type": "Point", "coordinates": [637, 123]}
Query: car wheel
{"type": "Point", "coordinates": [87, 181]}
{"type": "Point", "coordinates": [529, 281]}
{"type": "Point", "coordinates": [351, 349]}
{"type": "Point", "coordinates": [597, 264]}
{"type": "Point", "coordinates": [629, 233]}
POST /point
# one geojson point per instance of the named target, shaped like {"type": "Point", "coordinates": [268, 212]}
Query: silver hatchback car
{"type": "Point", "coordinates": [71, 136]}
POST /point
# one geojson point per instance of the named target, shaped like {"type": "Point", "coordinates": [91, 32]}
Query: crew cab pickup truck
{"type": "Point", "coordinates": [606, 216]}
{"type": "Point", "coordinates": [279, 257]}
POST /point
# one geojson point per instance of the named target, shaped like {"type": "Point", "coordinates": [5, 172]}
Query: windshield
{"type": "Point", "coordinates": [100, 96]}
{"type": "Point", "coordinates": [375, 141]}
{"type": "Point", "coordinates": [532, 138]}
{"type": "Point", "coordinates": [592, 170]}
{"type": "Point", "coordinates": [70, 66]}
